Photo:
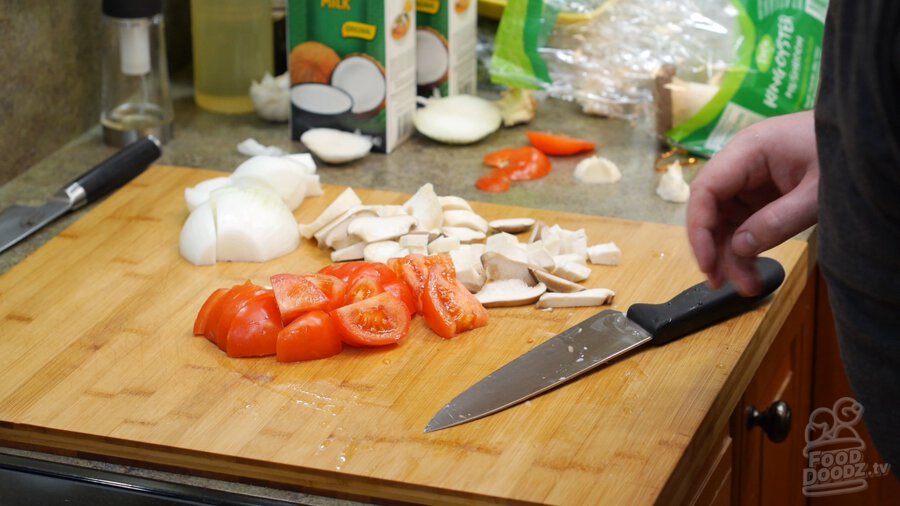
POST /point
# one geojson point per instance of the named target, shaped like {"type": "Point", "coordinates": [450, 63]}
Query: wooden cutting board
{"type": "Point", "coordinates": [97, 358]}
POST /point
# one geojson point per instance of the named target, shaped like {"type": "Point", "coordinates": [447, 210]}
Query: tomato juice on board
{"type": "Point", "coordinates": [352, 67]}
{"type": "Point", "coordinates": [445, 47]}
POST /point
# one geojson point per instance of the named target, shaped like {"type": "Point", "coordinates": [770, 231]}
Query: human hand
{"type": "Point", "coordinates": [759, 191]}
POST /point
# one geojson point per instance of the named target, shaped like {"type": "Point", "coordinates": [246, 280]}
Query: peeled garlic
{"type": "Point", "coordinates": [597, 169]}
{"type": "Point", "coordinates": [672, 186]}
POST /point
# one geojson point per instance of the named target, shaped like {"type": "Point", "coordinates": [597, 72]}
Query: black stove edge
{"type": "Point", "coordinates": [130, 485]}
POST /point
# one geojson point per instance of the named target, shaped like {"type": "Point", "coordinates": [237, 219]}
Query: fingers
{"type": "Point", "coordinates": [778, 221]}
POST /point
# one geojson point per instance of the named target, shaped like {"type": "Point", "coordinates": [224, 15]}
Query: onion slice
{"type": "Point", "coordinates": [457, 119]}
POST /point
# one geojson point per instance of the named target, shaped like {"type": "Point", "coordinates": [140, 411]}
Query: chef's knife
{"type": "Point", "coordinates": [18, 222]}
{"type": "Point", "coordinates": [598, 339]}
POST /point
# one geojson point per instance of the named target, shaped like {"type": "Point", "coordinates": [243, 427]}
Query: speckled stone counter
{"type": "Point", "coordinates": [209, 141]}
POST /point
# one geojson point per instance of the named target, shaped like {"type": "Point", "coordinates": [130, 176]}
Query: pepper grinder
{"type": "Point", "coordinates": [135, 99]}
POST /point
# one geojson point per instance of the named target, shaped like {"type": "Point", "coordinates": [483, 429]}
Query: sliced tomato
{"type": "Point", "coordinates": [236, 298]}
{"type": "Point", "coordinates": [296, 294]}
{"type": "Point", "coordinates": [496, 182]}
{"type": "Point", "coordinates": [559, 145]}
{"type": "Point", "coordinates": [519, 164]}
{"type": "Point", "coordinates": [309, 337]}
{"type": "Point", "coordinates": [254, 330]}
{"type": "Point", "coordinates": [376, 321]}
{"type": "Point", "coordinates": [208, 307]}
{"type": "Point", "coordinates": [448, 307]}
{"type": "Point", "coordinates": [414, 271]}
{"type": "Point", "coordinates": [402, 291]}
{"type": "Point", "coordinates": [344, 270]}
{"type": "Point", "coordinates": [332, 286]}
{"type": "Point", "coordinates": [362, 287]}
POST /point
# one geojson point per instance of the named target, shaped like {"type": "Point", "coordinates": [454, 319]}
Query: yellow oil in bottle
{"type": "Point", "coordinates": [232, 42]}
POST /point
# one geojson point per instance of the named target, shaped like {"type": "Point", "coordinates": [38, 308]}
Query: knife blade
{"type": "Point", "coordinates": [599, 339]}
{"type": "Point", "coordinates": [18, 222]}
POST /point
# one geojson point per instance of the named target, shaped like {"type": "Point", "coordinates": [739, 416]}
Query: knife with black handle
{"type": "Point", "coordinates": [599, 339]}
{"type": "Point", "coordinates": [18, 222]}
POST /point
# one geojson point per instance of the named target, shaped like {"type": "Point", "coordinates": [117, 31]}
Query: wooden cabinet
{"type": "Point", "coordinates": [803, 369]}
{"type": "Point", "coordinates": [745, 467]}
{"type": "Point", "coordinates": [768, 472]}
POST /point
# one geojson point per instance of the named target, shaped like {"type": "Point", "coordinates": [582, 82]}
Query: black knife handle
{"type": "Point", "coordinates": [698, 306]}
{"type": "Point", "coordinates": [119, 169]}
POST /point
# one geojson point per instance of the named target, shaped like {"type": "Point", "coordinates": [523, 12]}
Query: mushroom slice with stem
{"type": "Point", "coordinates": [426, 208]}
{"type": "Point", "coordinates": [605, 254]}
{"type": "Point", "coordinates": [382, 251]}
{"type": "Point", "coordinates": [589, 297]}
{"type": "Point", "coordinates": [509, 293]}
{"type": "Point", "coordinates": [512, 225]}
{"type": "Point", "coordinates": [463, 218]}
{"type": "Point", "coordinates": [347, 253]}
{"type": "Point", "coordinates": [555, 283]}
{"type": "Point", "coordinates": [346, 200]}
{"type": "Point", "coordinates": [377, 228]}
{"type": "Point", "coordinates": [498, 267]}
{"type": "Point", "coordinates": [451, 202]}
{"type": "Point", "coordinates": [464, 234]}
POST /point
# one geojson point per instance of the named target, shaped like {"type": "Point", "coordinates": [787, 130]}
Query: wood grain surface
{"type": "Point", "coordinates": [97, 358]}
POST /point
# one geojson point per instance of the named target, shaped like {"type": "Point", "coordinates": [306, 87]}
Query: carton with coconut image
{"type": "Point", "coordinates": [445, 47]}
{"type": "Point", "coordinates": [352, 67]}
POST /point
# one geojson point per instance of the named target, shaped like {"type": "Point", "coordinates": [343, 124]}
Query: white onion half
{"type": "Point", "coordinates": [252, 225]}
{"type": "Point", "coordinates": [457, 119]}
{"type": "Point", "coordinates": [281, 174]}
{"type": "Point", "coordinates": [197, 243]}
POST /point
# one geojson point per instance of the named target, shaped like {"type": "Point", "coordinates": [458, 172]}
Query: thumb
{"type": "Point", "coordinates": [778, 221]}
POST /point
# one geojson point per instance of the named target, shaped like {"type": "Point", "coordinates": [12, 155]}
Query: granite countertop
{"type": "Point", "coordinates": [207, 140]}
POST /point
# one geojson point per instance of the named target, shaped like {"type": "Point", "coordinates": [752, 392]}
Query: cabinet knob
{"type": "Point", "coordinates": [775, 421]}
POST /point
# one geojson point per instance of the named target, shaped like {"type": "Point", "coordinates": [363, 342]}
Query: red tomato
{"type": "Point", "coordinates": [448, 307]}
{"type": "Point", "coordinates": [496, 182]}
{"type": "Point", "coordinates": [413, 270]}
{"type": "Point", "coordinates": [333, 288]}
{"type": "Point", "coordinates": [254, 330]}
{"type": "Point", "coordinates": [206, 309]}
{"type": "Point", "coordinates": [362, 287]}
{"type": "Point", "coordinates": [296, 295]}
{"type": "Point", "coordinates": [519, 164]}
{"type": "Point", "coordinates": [555, 144]}
{"type": "Point", "coordinates": [375, 321]}
{"type": "Point", "coordinates": [344, 270]}
{"type": "Point", "coordinates": [231, 304]}
{"type": "Point", "coordinates": [402, 291]}
{"type": "Point", "coordinates": [309, 337]}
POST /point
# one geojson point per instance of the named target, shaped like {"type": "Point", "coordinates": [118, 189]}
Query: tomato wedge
{"type": "Point", "coordinates": [333, 288]}
{"type": "Point", "coordinates": [376, 321]}
{"type": "Point", "coordinates": [362, 287]}
{"type": "Point", "coordinates": [254, 330]}
{"type": "Point", "coordinates": [296, 294]}
{"type": "Point", "coordinates": [557, 144]}
{"type": "Point", "coordinates": [309, 337]}
{"type": "Point", "coordinates": [233, 301]}
{"type": "Point", "coordinates": [448, 307]}
{"type": "Point", "coordinates": [207, 309]}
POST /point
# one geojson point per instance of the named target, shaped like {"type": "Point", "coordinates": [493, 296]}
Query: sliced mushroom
{"type": "Point", "coordinates": [443, 244]}
{"type": "Point", "coordinates": [425, 207]}
{"type": "Point", "coordinates": [381, 251]}
{"type": "Point", "coordinates": [469, 271]}
{"type": "Point", "coordinates": [555, 283]}
{"type": "Point", "coordinates": [573, 271]}
{"type": "Point", "coordinates": [590, 297]}
{"type": "Point", "coordinates": [346, 200]}
{"type": "Point", "coordinates": [537, 231]}
{"type": "Point", "coordinates": [512, 225]}
{"type": "Point", "coordinates": [605, 254]}
{"type": "Point", "coordinates": [336, 231]}
{"type": "Point", "coordinates": [348, 253]}
{"type": "Point", "coordinates": [377, 228]}
{"type": "Point", "coordinates": [508, 293]}
{"type": "Point", "coordinates": [464, 234]}
{"type": "Point", "coordinates": [498, 267]}
{"type": "Point", "coordinates": [538, 256]}
{"type": "Point", "coordinates": [389, 210]}
{"type": "Point", "coordinates": [507, 245]}
{"type": "Point", "coordinates": [467, 219]}
{"type": "Point", "coordinates": [451, 202]}
{"type": "Point", "coordinates": [415, 242]}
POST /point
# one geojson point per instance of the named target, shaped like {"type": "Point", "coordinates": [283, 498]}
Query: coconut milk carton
{"type": "Point", "coordinates": [445, 47]}
{"type": "Point", "coordinates": [352, 67]}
